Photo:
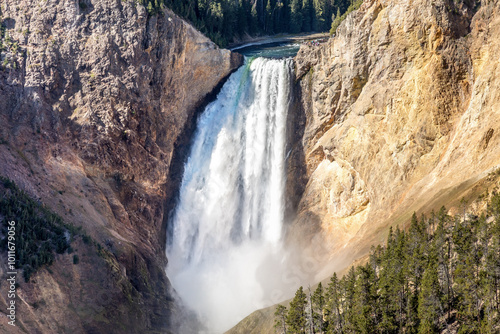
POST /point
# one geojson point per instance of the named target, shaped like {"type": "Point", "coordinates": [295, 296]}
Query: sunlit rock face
{"type": "Point", "coordinates": [398, 112]}
{"type": "Point", "coordinates": [401, 115]}
{"type": "Point", "coordinates": [97, 100]}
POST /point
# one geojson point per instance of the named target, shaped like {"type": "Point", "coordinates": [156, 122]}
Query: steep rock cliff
{"type": "Point", "coordinates": [98, 99]}
{"type": "Point", "coordinates": [399, 112]}
{"type": "Point", "coordinates": [401, 116]}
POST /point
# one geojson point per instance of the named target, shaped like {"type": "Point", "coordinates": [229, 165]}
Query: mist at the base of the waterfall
{"type": "Point", "coordinates": [219, 291]}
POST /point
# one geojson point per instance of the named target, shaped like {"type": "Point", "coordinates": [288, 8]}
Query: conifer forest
{"type": "Point", "coordinates": [226, 21]}
{"type": "Point", "coordinates": [440, 272]}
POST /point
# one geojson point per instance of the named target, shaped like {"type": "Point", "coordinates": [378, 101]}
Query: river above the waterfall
{"type": "Point", "coordinates": [280, 49]}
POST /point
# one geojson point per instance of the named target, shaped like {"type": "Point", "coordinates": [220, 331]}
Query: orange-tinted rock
{"type": "Point", "coordinates": [400, 112]}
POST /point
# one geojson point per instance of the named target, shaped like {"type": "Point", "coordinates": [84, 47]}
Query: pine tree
{"type": "Point", "coordinates": [254, 21]}
{"type": "Point", "coordinates": [307, 15]}
{"type": "Point", "coordinates": [349, 282]}
{"type": "Point", "coordinates": [320, 15]}
{"type": "Point", "coordinates": [391, 284]}
{"type": "Point", "coordinates": [268, 25]}
{"type": "Point", "coordinates": [296, 18]}
{"type": "Point", "coordinates": [415, 265]}
{"type": "Point", "coordinates": [318, 304]}
{"type": "Point", "coordinates": [243, 15]}
{"type": "Point", "coordinates": [280, 16]}
{"type": "Point", "coordinates": [491, 280]}
{"type": "Point", "coordinates": [310, 313]}
{"type": "Point", "coordinates": [296, 317]}
{"type": "Point", "coordinates": [333, 306]}
{"type": "Point", "coordinates": [429, 298]}
{"type": "Point", "coordinates": [444, 252]}
{"type": "Point", "coordinates": [335, 22]}
{"type": "Point", "coordinates": [365, 300]}
{"type": "Point", "coordinates": [280, 320]}
{"type": "Point", "coordinates": [466, 276]}
{"type": "Point", "coordinates": [150, 8]}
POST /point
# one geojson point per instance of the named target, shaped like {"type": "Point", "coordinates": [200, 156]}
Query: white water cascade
{"type": "Point", "coordinates": [226, 231]}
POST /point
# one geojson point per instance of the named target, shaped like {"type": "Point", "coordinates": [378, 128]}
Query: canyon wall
{"type": "Point", "coordinates": [98, 99]}
{"type": "Point", "coordinates": [402, 115]}
{"type": "Point", "coordinates": [399, 113]}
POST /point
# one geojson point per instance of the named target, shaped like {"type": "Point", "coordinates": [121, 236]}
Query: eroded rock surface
{"type": "Point", "coordinates": [97, 102]}
{"type": "Point", "coordinates": [401, 113]}
{"type": "Point", "coordinates": [401, 116]}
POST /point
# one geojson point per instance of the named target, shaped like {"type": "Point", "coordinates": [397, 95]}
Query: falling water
{"type": "Point", "coordinates": [228, 225]}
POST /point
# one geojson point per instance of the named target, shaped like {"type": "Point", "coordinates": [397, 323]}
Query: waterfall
{"type": "Point", "coordinates": [226, 230]}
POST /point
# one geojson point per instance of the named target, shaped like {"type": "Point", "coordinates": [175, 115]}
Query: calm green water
{"type": "Point", "coordinates": [282, 49]}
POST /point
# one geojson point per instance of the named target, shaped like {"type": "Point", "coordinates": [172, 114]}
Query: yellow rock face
{"type": "Point", "coordinates": [402, 115]}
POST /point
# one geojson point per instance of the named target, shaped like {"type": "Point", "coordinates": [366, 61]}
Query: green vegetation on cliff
{"type": "Point", "coordinates": [443, 271]}
{"type": "Point", "coordinates": [37, 233]}
{"type": "Point", "coordinates": [339, 18]}
{"type": "Point", "coordinates": [227, 20]}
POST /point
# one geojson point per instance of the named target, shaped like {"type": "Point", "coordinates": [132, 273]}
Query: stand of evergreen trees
{"type": "Point", "coordinates": [39, 233]}
{"type": "Point", "coordinates": [443, 271]}
{"type": "Point", "coordinates": [224, 21]}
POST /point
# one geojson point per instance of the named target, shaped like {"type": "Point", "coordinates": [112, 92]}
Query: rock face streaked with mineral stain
{"type": "Point", "coordinates": [401, 115]}
{"type": "Point", "coordinates": [96, 97]}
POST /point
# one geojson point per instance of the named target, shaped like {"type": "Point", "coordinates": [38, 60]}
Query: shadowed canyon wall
{"type": "Point", "coordinates": [96, 97]}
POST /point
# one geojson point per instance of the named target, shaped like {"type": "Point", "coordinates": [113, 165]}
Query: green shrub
{"type": "Point", "coordinates": [86, 239]}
